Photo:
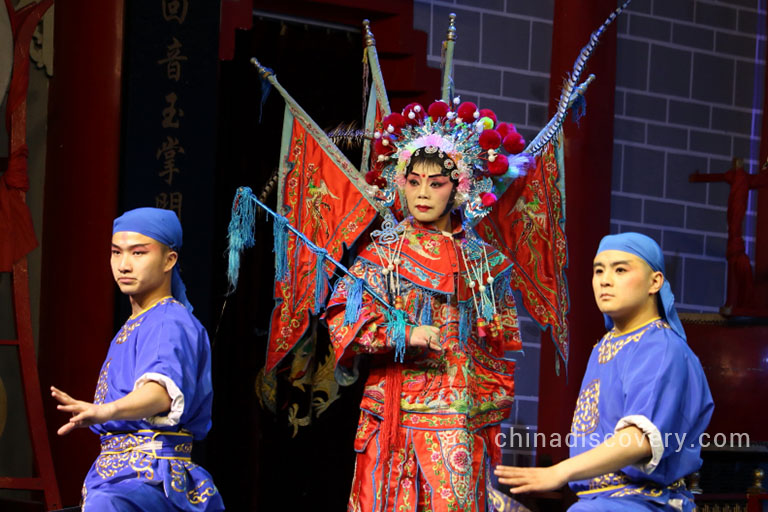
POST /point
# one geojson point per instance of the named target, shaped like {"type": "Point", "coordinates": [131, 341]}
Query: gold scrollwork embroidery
{"type": "Point", "coordinates": [201, 492]}
{"type": "Point", "coordinates": [129, 326]}
{"type": "Point", "coordinates": [608, 480]}
{"type": "Point", "coordinates": [609, 348]}
{"type": "Point", "coordinates": [109, 464]}
{"type": "Point", "coordinates": [101, 386]}
{"type": "Point", "coordinates": [634, 491]}
{"type": "Point", "coordinates": [126, 331]}
{"type": "Point", "coordinates": [586, 414]}
{"type": "Point", "coordinates": [185, 448]}
{"type": "Point", "coordinates": [178, 476]}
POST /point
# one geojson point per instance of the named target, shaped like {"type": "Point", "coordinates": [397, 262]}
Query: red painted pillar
{"type": "Point", "coordinates": [81, 180]}
{"type": "Point", "coordinates": [588, 157]}
{"type": "Point", "coordinates": [761, 230]}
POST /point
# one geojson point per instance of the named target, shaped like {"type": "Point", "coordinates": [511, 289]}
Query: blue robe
{"type": "Point", "coordinates": [651, 379]}
{"type": "Point", "coordinates": [145, 464]}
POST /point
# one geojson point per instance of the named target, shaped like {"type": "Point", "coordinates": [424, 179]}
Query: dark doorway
{"type": "Point", "coordinates": [258, 462]}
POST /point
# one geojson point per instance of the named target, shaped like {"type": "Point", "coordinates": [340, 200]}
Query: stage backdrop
{"type": "Point", "coordinates": [169, 126]}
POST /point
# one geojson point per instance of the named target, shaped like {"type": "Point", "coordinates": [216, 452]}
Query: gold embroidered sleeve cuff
{"type": "Point", "coordinates": [654, 438]}
{"type": "Point", "coordinates": [177, 399]}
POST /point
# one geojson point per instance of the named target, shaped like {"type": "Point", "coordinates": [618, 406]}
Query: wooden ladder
{"type": "Point", "coordinates": [38, 433]}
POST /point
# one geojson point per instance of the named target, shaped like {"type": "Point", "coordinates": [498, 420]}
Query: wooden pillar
{"type": "Point", "coordinates": [77, 295]}
{"type": "Point", "coordinates": [588, 157]}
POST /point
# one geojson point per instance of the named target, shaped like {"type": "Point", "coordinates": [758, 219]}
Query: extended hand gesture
{"type": "Point", "coordinates": [84, 414]}
{"type": "Point", "coordinates": [426, 336]}
{"type": "Point", "coordinates": [530, 479]}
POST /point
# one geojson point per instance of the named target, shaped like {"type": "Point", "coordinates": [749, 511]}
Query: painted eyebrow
{"type": "Point", "coordinates": [131, 247]}
{"type": "Point", "coordinates": [439, 175]}
{"type": "Point", "coordinates": [612, 264]}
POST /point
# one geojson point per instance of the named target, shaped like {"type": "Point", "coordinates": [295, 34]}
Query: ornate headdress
{"type": "Point", "coordinates": [470, 141]}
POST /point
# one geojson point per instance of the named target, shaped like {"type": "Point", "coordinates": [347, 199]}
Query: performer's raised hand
{"type": "Point", "coordinates": [84, 414]}
{"type": "Point", "coordinates": [426, 336]}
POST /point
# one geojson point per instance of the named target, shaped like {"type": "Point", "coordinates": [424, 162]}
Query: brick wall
{"type": "Point", "coordinates": [501, 62]}
{"type": "Point", "coordinates": [689, 97]}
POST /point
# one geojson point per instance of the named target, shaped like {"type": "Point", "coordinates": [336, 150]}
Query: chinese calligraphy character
{"type": "Point", "coordinates": [168, 150]}
{"type": "Point", "coordinates": [170, 201]}
{"type": "Point", "coordinates": [169, 113]}
{"type": "Point", "coordinates": [172, 60]}
{"type": "Point", "coordinates": [175, 10]}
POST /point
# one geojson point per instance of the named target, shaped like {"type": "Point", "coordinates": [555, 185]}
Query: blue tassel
{"type": "Point", "coordinates": [240, 232]}
{"type": "Point", "coordinates": [280, 233]}
{"type": "Point", "coordinates": [354, 301]}
{"type": "Point", "coordinates": [396, 321]}
{"type": "Point", "coordinates": [486, 307]}
{"type": "Point", "coordinates": [320, 279]}
{"type": "Point", "coordinates": [464, 322]}
{"type": "Point", "coordinates": [266, 88]}
{"type": "Point", "coordinates": [426, 311]}
{"type": "Point", "coordinates": [579, 108]}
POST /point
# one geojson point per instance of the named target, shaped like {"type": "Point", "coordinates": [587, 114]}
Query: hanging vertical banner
{"type": "Point", "coordinates": [169, 124]}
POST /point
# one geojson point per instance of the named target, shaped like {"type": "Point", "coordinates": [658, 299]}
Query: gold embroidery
{"type": "Point", "coordinates": [201, 493]}
{"type": "Point", "coordinates": [185, 448]}
{"type": "Point", "coordinates": [608, 480]}
{"type": "Point", "coordinates": [619, 485]}
{"type": "Point", "coordinates": [140, 452]}
{"type": "Point", "coordinates": [609, 348]}
{"type": "Point", "coordinates": [101, 386]}
{"type": "Point", "coordinates": [126, 331]}
{"type": "Point", "coordinates": [642, 490]}
{"type": "Point", "coordinates": [178, 476]}
{"type": "Point", "coordinates": [586, 414]}
{"type": "Point", "coordinates": [128, 328]}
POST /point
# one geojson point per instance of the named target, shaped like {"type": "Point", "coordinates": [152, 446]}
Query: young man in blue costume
{"type": "Point", "coordinates": [644, 399]}
{"type": "Point", "coordinates": [154, 393]}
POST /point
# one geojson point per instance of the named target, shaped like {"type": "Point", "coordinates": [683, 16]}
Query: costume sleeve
{"type": "Point", "coordinates": [367, 334]}
{"type": "Point", "coordinates": [510, 335]}
{"type": "Point", "coordinates": [166, 354]}
{"type": "Point", "coordinates": [655, 385]}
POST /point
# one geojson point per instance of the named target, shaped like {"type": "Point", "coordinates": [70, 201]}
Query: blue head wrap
{"type": "Point", "coordinates": [163, 226]}
{"type": "Point", "coordinates": [649, 251]}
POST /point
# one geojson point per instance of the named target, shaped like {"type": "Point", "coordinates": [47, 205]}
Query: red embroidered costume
{"type": "Point", "coordinates": [448, 400]}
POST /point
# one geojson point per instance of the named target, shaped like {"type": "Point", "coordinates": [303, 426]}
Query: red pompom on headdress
{"type": "Point", "coordinates": [499, 165]}
{"type": "Point", "coordinates": [486, 112]}
{"type": "Point", "coordinates": [488, 199]}
{"type": "Point", "coordinates": [438, 110]}
{"type": "Point", "coordinates": [375, 178]}
{"type": "Point", "coordinates": [505, 128]}
{"type": "Point", "coordinates": [514, 143]}
{"type": "Point", "coordinates": [414, 113]}
{"type": "Point", "coordinates": [394, 121]}
{"type": "Point", "coordinates": [467, 112]}
{"type": "Point", "coordinates": [384, 146]}
{"type": "Point", "coordinates": [489, 139]}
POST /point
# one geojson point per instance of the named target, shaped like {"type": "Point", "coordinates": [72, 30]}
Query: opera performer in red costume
{"type": "Point", "coordinates": [437, 390]}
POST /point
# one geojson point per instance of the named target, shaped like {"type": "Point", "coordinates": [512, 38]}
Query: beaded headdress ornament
{"type": "Point", "coordinates": [473, 141]}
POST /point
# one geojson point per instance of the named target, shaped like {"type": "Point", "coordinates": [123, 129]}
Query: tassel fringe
{"type": "Point", "coordinates": [396, 321]}
{"type": "Point", "coordinates": [240, 232]}
{"type": "Point", "coordinates": [426, 311]}
{"type": "Point", "coordinates": [354, 301]}
{"type": "Point", "coordinates": [464, 322]}
{"type": "Point", "coordinates": [280, 234]}
{"type": "Point", "coordinates": [321, 279]}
